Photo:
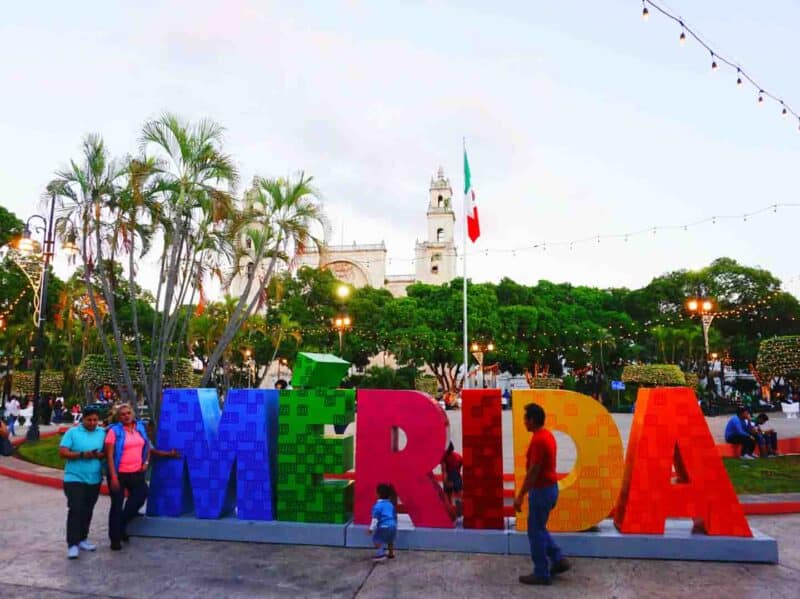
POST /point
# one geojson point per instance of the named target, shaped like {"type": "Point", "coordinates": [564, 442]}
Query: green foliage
{"type": "Point", "coordinates": [96, 371]}
{"type": "Point", "coordinates": [658, 375]}
{"type": "Point", "coordinates": [52, 381]}
{"type": "Point", "coordinates": [10, 226]}
{"type": "Point", "coordinates": [780, 356]}
{"type": "Point", "coordinates": [381, 377]}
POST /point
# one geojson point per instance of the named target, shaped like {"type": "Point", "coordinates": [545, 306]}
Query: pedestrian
{"type": "Point", "coordinates": [6, 448]}
{"type": "Point", "coordinates": [82, 448]}
{"type": "Point", "coordinates": [541, 486]}
{"type": "Point", "coordinates": [766, 438]}
{"type": "Point", "coordinates": [452, 463]}
{"type": "Point", "coordinates": [383, 526]}
{"type": "Point", "coordinates": [128, 454]}
{"type": "Point", "coordinates": [12, 414]}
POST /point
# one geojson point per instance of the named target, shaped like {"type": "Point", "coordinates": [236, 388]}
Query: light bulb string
{"type": "Point", "coordinates": [594, 239]}
{"type": "Point", "coordinates": [763, 92]}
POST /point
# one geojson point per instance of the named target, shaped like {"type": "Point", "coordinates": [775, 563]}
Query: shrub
{"type": "Point", "coordinates": [658, 375]}
{"type": "Point", "coordinates": [780, 356]}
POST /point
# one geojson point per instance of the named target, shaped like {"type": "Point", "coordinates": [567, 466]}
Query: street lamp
{"type": "Point", "coordinates": [342, 323]}
{"type": "Point", "coordinates": [703, 307]}
{"type": "Point", "coordinates": [26, 245]}
{"type": "Point", "coordinates": [343, 292]}
{"type": "Point", "coordinates": [478, 352]}
{"type": "Point", "coordinates": [249, 364]}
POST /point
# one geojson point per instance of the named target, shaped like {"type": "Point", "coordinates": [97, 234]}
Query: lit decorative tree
{"type": "Point", "coordinates": [780, 356]}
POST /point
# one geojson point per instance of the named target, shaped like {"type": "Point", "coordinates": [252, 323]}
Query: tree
{"type": "Point", "coordinates": [10, 226]}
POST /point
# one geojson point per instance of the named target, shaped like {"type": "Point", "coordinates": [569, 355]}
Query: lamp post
{"type": "Point", "coordinates": [704, 308]}
{"type": "Point", "coordinates": [478, 352]}
{"type": "Point", "coordinates": [26, 245]}
{"type": "Point", "coordinates": [342, 323]}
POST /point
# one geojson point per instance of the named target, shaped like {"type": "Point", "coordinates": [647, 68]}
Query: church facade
{"type": "Point", "coordinates": [434, 258]}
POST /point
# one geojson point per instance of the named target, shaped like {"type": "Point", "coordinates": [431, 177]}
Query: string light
{"type": "Point", "coordinates": [717, 59]}
{"type": "Point", "coordinates": [593, 239]}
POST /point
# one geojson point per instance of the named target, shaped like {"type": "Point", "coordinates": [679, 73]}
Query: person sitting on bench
{"type": "Point", "coordinates": [766, 438]}
{"type": "Point", "coordinates": [736, 433]}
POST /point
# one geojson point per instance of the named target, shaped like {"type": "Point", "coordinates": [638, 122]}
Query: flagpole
{"type": "Point", "coordinates": [464, 249]}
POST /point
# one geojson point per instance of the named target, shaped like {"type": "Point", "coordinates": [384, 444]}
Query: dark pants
{"type": "Point", "coordinates": [768, 442]}
{"type": "Point", "coordinates": [120, 514]}
{"type": "Point", "coordinates": [746, 441]}
{"type": "Point", "coordinates": [540, 504]}
{"type": "Point", "coordinates": [81, 499]}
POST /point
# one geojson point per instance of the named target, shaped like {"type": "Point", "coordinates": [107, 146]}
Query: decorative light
{"type": "Point", "coordinates": [738, 77]}
{"type": "Point", "coordinates": [25, 244]}
{"type": "Point", "coordinates": [713, 62]}
{"type": "Point", "coordinates": [682, 38]}
{"type": "Point", "coordinates": [692, 305]}
{"type": "Point", "coordinates": [645, 12]}
{"type": "Point", "coordinates": [761, 96]}
{"type": "Point", "coordinates": [475, 347]}
{"type": "Point", "coordinates": [343, 292]}
{"type": "Point", "coordinates": [490, 347]}
{"type": "Point", "coordinates": [707, 306]}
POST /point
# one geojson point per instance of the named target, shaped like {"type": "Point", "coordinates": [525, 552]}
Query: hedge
{"type": "Point", "coordinates": [52, 382]}
{"type": "Point", "coordinates": [96, 371]}
{"type": "Point", "coordinates": [659, 375]}
{"type": "Point", "coordinates": [546, 382]}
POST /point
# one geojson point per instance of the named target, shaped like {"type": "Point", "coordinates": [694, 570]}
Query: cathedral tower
{"type": "Point", "coordinates": [436, 257]}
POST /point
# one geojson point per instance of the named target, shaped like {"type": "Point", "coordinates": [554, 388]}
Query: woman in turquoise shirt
{"type": "Point", "coordinates": [82, 448]}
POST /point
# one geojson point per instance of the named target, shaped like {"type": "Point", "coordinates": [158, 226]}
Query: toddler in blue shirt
{"type": "Point", "coordinates": [383, 526]}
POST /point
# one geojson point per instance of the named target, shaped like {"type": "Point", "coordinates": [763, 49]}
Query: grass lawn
{"type": "Point", "coordinates": [773, 475]}
{"type": "Point", "coordinates": [43, 452]}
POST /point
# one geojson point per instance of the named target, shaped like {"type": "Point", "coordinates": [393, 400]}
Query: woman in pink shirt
{"type": "Point", "coordinates": [128, 455]}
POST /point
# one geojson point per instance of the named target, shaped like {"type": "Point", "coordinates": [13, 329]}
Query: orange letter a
{"type": "Point", "coordinates": [669, 429]}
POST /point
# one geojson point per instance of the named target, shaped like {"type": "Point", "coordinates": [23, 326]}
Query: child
{"type": "Point", "coordinates": [383, 527]}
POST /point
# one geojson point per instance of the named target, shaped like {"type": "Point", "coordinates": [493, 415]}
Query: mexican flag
{"type": "Point", "coordinates": [471, 208]}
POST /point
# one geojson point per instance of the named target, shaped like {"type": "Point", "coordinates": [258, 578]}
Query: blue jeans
{"type": "Point", "coordinates": [540, 503]}
{"type": "Point", "coordinates": [11, 421]}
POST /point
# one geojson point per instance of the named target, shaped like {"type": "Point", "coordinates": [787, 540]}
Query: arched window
{"type": "Point", "coordinates": [441, 200]}
{"type": "Point", "coordinates": [439, 235]}
{"type": "Point", "coordinates": [250, 269]}
{"type": "Point", "coordinates": [435, 269]}
{"type": "Point", "coordinates": [248, 243]}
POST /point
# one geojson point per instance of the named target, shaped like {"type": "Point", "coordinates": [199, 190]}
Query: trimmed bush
{"type": "Point", "coordinates": [657, 375]}
{"type": "Point", "coordinates": [780, 356]}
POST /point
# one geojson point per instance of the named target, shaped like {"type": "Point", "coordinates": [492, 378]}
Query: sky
{"type": "Point", "coordinates": [580, 118]}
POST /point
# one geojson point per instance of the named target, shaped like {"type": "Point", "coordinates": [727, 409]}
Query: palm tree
{"type": "Point", "coordinates": [278, 220]}
{"type": "Point", "coordinates": [88, 192]}
{"type": "Point", "coordinates": [192, 171]}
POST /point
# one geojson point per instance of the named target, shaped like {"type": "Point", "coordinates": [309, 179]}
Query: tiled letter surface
{"type": "Point", "coordinates": [482, 434]}
{"type": "Point", "coordinates": [305, 454]}
{"type": "Point", "coordinates": [668, 430]}
{"type": "Point", "coordinates": [410, 469]}
{"type": "Point", "coordinates": [226, 455]}
{"type": "Point", "coordinates": [589, 492]}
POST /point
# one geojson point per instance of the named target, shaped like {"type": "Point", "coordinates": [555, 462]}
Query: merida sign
{"type": "Point", "coordinates": [266, 456]}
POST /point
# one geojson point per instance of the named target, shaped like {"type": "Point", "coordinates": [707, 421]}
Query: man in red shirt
{"type": "Point", "coordinates": [541, 486]}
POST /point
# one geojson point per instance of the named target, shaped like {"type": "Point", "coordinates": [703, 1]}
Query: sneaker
{"type": "Point", "coordinates": [379, 558]}
{"type": "Point", "coordinates": [531, 579]}
{"type": "Point", "coordinates": [73, 552]}
{"type": "Point", "coordinates": [747, 456]}
{"type": "Point", "coordinates": [87, 546]}
{"type": "Point", "coordinates": [560, 567]}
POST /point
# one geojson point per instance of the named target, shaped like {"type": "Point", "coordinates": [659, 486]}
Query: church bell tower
{"type": "Point", "coordinates": [436, 257]}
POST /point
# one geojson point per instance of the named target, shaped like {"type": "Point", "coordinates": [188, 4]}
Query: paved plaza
{"type": "Point", "coordinates": [33, 564]}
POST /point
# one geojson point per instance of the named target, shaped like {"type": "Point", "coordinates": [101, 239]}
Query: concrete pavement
{"type": "Point", "coordinates": [33, 564]}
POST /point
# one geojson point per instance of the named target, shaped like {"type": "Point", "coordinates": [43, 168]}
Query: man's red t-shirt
{"type": "Point", "coordinates": [542, 450]}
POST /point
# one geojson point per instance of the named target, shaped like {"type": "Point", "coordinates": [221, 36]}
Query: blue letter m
{"type": "Point", "coordinates": [211, 442]}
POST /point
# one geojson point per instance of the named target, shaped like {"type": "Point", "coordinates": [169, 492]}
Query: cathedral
{"type": "Point", "coordinates": [434, 258]}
